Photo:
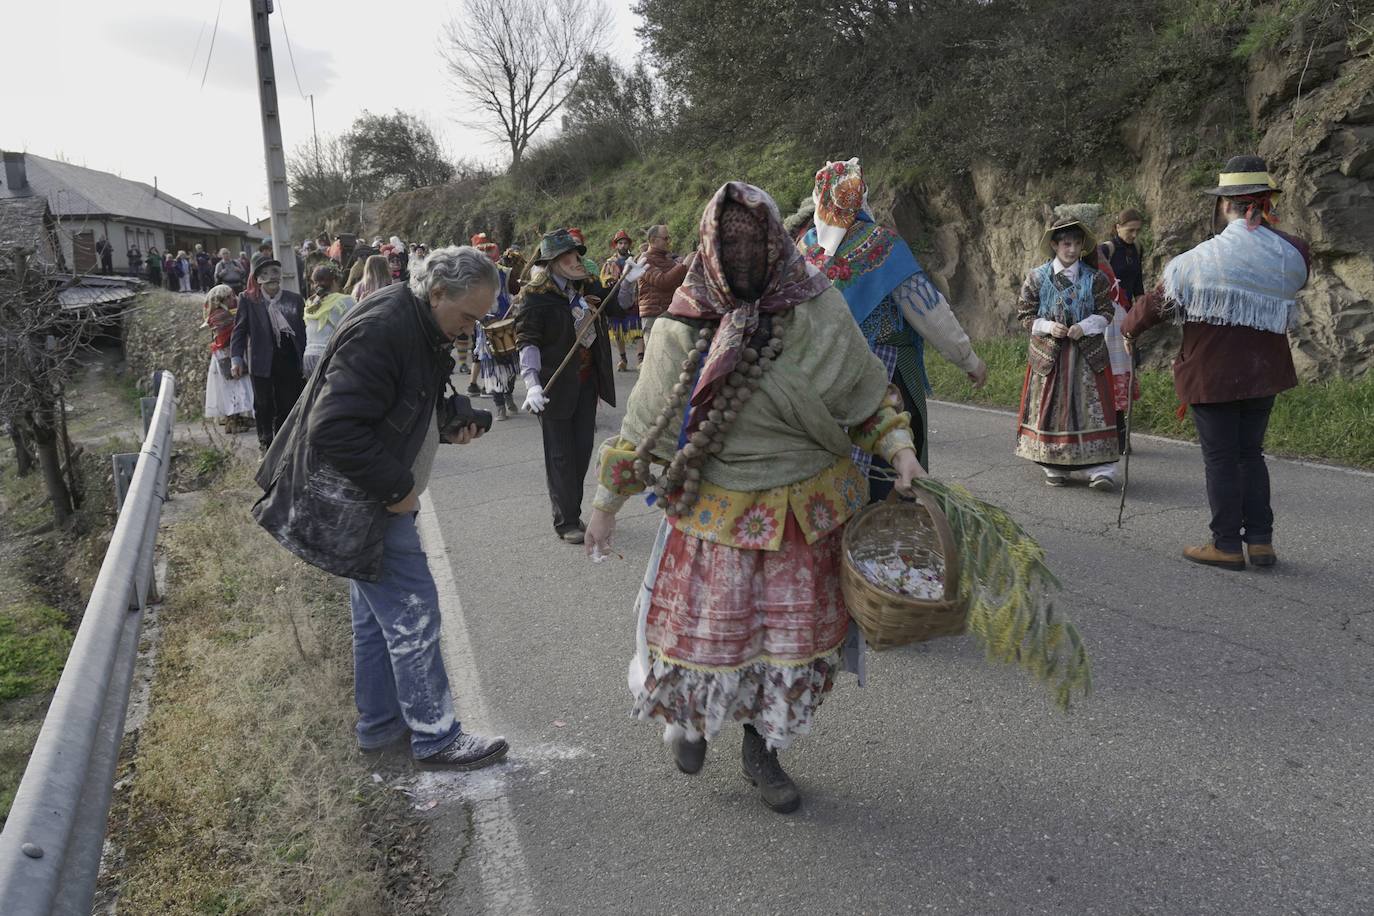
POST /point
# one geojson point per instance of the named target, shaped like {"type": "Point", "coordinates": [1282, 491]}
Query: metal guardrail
{"type": "Point", "coordinates": [51, 845]}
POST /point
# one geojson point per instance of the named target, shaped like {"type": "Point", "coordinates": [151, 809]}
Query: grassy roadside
{"type": "Point", "coordinates": [1326, 421]}
{"type": "Point", "coordinates": [246, 794]}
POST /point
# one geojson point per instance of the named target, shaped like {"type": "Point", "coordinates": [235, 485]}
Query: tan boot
{"type": "Point", "coordinates": [1262, 554]}
{"type": "Point", "coordinates": [1208, 555]}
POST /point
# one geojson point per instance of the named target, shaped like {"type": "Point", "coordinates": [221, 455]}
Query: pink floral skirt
{"type": "Point", "coordinates": [745, 636]}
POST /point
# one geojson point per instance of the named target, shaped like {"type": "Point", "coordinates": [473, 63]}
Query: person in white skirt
{"type": "Point", "coordinates": [227, 398]}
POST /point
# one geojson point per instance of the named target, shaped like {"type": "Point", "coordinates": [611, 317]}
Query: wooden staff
{"type": "Point", "coordinates": [596, 313]}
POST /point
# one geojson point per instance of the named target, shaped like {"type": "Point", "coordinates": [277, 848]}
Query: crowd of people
{"type": "Point", "coordinates": [781, 388]}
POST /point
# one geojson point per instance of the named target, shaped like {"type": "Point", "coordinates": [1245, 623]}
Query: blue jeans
{"type": "Point", "coordinates": [399, 680]}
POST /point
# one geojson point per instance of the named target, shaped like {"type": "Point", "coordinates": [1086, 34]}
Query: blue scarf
{"type": "Point", "coordinates": [1068, 306]}
{"type": "Point", "coordinates": [869, 265]}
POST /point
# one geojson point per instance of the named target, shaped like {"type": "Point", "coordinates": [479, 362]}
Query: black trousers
{"type": "Point", "coordinates": [567, 454]}
{"type": "Point", "coordinates": [1232, 438]}
{"type": "Point", "coordinates": [276, 394]}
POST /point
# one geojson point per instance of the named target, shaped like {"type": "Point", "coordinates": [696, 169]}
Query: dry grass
{"type": "Point", "coordinates": [247, 794]}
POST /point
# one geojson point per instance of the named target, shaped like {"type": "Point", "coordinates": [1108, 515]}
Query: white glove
{"type": "Point", "coordinates": [634, 270]}
{"type": "Point", "coordinates": [535, 401]}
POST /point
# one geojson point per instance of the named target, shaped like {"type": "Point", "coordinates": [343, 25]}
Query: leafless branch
{"type": "Point", "coordinates": [515, 61]}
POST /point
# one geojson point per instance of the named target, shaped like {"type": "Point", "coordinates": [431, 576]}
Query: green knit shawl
{"type": "Point", "coordinates": [795, 425]}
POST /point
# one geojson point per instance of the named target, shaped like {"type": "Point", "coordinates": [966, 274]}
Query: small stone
{"type": "Point", "coordinates": [680, 391]}
{"type": "Point", "coordinates": [729, 416]}
{"type": "Point", "coordinates": [756, 372]}
{"type": "Point", "coordinates": [735, 379]}
{"type": "Point", "coordinates": [702, 346]}
{"type": "Point", "coordinates": [769, 353]}
{"type": "Point", "coordinates": [775, 343]}
{"type": "Point", "coordinates": [744, 395]}
{"type": "Point", "coordinates": [707, 426]}
{"type": "Point", "coordinates": [750, 355]}
{"type": "Point", "coordinates": [727, 392]}
{"type": "Point", "coordinates": [700, 439]}
{"type": "Point", "coordinates": [690, 451]}
{"type": "Point", "coordinates": [692, 486]}
{"type": "Point", "coordinates": [704, 334]}
{"type": "Point", "coordinates": [714, 415]}
{"type": "Point", "coordinates": [715, 447]}
{"type": "Point", "coordinates": [694, 473]}
{"type": "Point", "coordinates": [685, 378]}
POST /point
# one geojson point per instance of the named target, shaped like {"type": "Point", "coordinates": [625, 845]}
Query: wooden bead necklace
{"type": "Point", "coordinates": [679, 486]}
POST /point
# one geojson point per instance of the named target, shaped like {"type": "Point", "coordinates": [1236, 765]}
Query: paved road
{"type": "Point", "coordinates": [1223, 765]}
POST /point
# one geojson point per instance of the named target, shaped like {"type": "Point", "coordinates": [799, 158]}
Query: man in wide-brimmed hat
{"type": "Point", "coordinates": [627, 330]}
{"type": "Point", "coordinates": [556, 319]}
{"type": "Point", "coordinates": [268, 344]}
{"type": "Point", "coordinates": [1236, 297]}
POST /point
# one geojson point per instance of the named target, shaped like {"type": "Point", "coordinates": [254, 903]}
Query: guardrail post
{"type": "Point", "coordinates": [145, 410]}
{"type": "Point", "coordinates": [124, 464]}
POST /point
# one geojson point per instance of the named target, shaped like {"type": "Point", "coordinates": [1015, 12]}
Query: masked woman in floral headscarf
{"type": "Point", "coordinates": [757, 385]}
{"type": "Point", "coordinates": [897, 307]}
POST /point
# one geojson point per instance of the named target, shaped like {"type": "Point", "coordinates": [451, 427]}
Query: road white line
{"type": "Point", "coordinates": [500, 858]}
{"type": "Point", "coordinates": [1166, 440]}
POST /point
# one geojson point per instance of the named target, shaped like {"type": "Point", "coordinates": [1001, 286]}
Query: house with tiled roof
{"type": "Point", "coordinates": [90, 205]}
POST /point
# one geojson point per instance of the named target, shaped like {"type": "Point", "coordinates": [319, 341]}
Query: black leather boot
{"type": "Point", "coordinates": [761, 768]}
{"type": "Point", "coordinates": [690, 755]}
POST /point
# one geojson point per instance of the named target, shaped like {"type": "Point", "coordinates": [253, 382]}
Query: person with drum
{"type": "Point", "coordinates": [756, 386]}
{"type": "Point", "coordinates": [559, 331]}
{"type": "Point", "coordinates": [494, 354]}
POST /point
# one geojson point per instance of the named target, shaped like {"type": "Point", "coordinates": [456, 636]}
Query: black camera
{"type": "Point", "coordinates": [456, 413]}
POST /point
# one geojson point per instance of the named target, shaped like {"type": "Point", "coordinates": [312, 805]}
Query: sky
{"type": "Point", "coordinates": [117, 86]}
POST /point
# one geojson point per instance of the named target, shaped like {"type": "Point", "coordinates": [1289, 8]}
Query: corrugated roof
{"type": "Point", "coordinates": [230, 223]}
{"type": "Point", "coordinates": [85, 296]}
{"type": "Point", "coordinates": [75, 191]}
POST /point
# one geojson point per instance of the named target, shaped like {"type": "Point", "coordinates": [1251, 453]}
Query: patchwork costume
{"type": "Point", "coordinates": [626, 331]}
{"type": "Point", "coordinates": [741, 618]}
{"type": "Point", "coordinates": [1067, 417]}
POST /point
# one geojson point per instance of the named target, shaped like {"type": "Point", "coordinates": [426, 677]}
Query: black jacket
{"type": "Point", "coordinates": [545, 320]}
{"type": "Point", "coordinates": [253, 331]}
{"type": "Point", "coordinates": [345, 452]}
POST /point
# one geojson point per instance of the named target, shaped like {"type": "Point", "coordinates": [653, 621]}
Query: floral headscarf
{"type": "Point", "coordinates": [840, 195]}
{"type": "Point", "coordinates": [705, 293]}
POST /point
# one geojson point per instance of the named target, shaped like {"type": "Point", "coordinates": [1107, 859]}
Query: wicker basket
{"type": "Point", "coordinates": [915, 529]}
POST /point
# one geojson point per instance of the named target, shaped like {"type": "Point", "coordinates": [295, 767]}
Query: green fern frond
{"type": "Point", "coordinates": [1010, 592]}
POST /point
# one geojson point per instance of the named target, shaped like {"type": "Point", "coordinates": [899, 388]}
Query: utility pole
{"type": "Point", "coordinates": [278, 196]}
{"type": "Point", "coordinates": [313, 132]}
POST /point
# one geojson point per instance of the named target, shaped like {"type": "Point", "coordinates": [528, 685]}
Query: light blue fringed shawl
{"type": "Point", "coordinates": [1240, 277]}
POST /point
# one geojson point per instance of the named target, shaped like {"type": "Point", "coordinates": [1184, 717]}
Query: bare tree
{"type": "Point", "coordinates": [516, 60]}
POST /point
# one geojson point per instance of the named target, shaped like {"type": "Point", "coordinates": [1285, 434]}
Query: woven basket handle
{"type": "Point", "coordinates": [945, 533]}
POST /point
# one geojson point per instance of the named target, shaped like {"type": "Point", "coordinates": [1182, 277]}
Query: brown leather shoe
{"type": "Point", "coordinates": [1262, 554]}
{"type": "Point", "coordinates": [1208, 555]}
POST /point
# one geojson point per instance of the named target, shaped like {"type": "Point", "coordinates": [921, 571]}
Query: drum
{"type": "Point", "coordinates": [501, 337]}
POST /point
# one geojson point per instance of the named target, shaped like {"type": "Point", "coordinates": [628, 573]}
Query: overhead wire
{"type": "Point", "coordinates": [191, 65]}
{"type": "Point", "coordinates": [291, 55]}
{"type": "Point", "coordinates": [210, 55]}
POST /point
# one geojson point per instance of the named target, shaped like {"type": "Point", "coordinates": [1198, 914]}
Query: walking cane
{"type": "Point", "coordinates": [1126, 467]}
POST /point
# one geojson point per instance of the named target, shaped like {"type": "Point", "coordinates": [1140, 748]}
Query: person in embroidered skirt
{"type": "Point", "coordinates": [495, 375]}
{"type": "Point", "coordinates": [324, 312]}
{"type": "Point", "coordinates": [1067, 418]}
{"type": "Point", "coordinates": [229, 399]}
{"type": "Point", "coordinates": [760, 365]}
{"type": "Point", "coordinates": [627, 330]}
{"type": "Point", "coordinates": [897, 307]}
{"type": "Point", "coordinates": [554, 320]}
{"type": "Point", "coordinates": [1236, 297]}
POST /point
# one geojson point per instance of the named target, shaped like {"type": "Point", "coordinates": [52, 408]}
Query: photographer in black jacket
{"type": "Point", "coordinates": [342, 484]}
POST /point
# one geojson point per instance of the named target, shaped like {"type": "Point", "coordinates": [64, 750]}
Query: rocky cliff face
{"type": "Point", "coordinates": [1308, 110]}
